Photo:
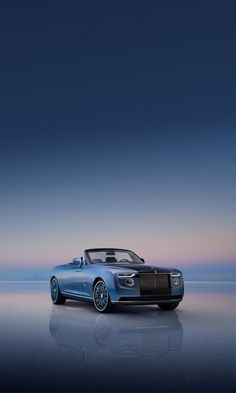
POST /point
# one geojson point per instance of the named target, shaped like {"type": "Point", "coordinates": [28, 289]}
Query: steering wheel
{"type": "Point", "coordinates": [124, 260]}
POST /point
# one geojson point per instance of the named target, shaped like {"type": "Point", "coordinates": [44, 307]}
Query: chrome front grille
{"type": "Point", "coordinates": [154, 282]}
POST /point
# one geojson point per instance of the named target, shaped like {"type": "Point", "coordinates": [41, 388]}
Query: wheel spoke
{"type": "Point", "coordinates": [101, 296]}
{"type": "Point", "coordinates": [54, 290]}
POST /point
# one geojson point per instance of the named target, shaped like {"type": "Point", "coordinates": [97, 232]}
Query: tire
{"type": "Point", "coordinates": [56, 296]}
{"type": "Point", "coordinates": [168, 305]}
{"type": "Point", "coordinates": [101, 297]}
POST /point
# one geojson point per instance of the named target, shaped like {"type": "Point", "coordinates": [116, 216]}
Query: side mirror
{"type": "Point", "coordinates": [142, 260]}
{"type": "Point", "coordinates": [78, 261]}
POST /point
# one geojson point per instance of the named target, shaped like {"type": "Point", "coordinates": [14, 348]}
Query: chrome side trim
{"type": "Point", "coordinates": [73, 296]}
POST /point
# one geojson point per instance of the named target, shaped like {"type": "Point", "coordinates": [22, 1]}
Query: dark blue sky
{"type": "Point", "coordinates": [118, 128]}
{"type": "Point", "coordinates": [116, 65]}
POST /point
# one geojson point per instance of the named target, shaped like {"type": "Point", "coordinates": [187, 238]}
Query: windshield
{"type": "Point", "coordinates": [113, 256]}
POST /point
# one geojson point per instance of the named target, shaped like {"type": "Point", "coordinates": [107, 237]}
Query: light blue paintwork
{"type": "Point", "coordinates": [77, 279]}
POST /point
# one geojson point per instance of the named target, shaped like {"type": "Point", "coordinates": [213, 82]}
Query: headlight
{"type": "Point", "coordinates": [176, 281]}
{"type": "Point", "coordinates": [173, 274]}
{"type": "Point", "coordinates": [125, 279]}
{"type": "Point", "coordinates": [123, 275]}
{"type": "Point", "coordinates": [130, 282]}
{"type": "Point", "coordinates": [176, 278]}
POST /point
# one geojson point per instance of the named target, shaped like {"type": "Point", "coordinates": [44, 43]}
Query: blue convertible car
{"type": "Point", "coordinates": [109, 276]}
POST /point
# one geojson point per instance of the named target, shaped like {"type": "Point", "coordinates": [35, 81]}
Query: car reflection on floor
{"type": "Point", "coordinates": [139, 335]}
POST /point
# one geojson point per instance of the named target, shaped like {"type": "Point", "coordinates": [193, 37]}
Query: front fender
{"type": "Point", "coordinates": [109, 279]}
{"type": "Point", "coordinates": [116, 290]}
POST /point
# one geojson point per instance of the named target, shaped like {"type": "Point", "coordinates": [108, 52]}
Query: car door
{"type": "Point", "coordinates": [78, 279]}
{"type": "Point", "coordinates": [75, 277]}
{"type": "Point", "coordinates": [82, 279]}
{"type": "Point", "coordinates": [69, 281]}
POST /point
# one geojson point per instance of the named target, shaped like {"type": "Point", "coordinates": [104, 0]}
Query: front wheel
{"type": "Point", "coordinates": [101, 297]}
{"type": "Point", "coordinates": [168, 305]}
{"type": "Point", "coordinates": [56, 296]}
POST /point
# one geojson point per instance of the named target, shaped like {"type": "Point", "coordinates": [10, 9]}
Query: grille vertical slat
{"type": "Point", "coordinates": [163, 281]}
{"type": "Point", "coordinates": [147, 281]}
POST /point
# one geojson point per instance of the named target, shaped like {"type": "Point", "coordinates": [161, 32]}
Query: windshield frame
{"type": "Point", "coordinates": [135, 258]}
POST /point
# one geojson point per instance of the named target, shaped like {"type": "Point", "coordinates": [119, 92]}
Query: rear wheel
{"type": "Point", "coordinates": [101, 297]}
{"type": "Point", "coordinates": [56, 296]}
{"type": "Point", "coordinates": [168, 305]}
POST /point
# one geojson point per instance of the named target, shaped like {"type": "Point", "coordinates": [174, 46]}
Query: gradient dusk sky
{"type": "Point", "coordinates": [118, 128]}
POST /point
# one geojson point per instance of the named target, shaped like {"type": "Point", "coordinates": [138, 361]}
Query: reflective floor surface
{"type": "Point", "coordinates": [72, 348]}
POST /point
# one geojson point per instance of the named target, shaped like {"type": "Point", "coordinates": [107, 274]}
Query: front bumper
{"type": "Point", "coordinates": [148, 288]}
{"type": "Point", "coordinates": [147, 299]}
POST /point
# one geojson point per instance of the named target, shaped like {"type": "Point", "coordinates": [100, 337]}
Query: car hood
{"type": "Point", "coordinates": [139, 268]}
